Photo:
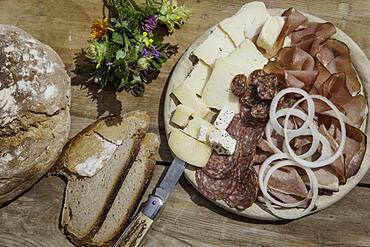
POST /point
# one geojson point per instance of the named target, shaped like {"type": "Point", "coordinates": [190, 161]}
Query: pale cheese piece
{"type": "Point", "coordinates": [182, 115]}
{"type": "Point", "coordinates": [246, 23]}
{"type": "Point", "coordinates": [222, 142]}
{"type": "Point", "coordinates": [189, 149]}
{"type": "Point", "coordinates": [202, 135]}
{"type": "Point", "coordinates": [187, 97]}
{"type": "Point", "coordinates": [248, 57]}
{"type": "Point", "coordinates": [224, 118]}
{"type": "Point", "coordinates": [270, 32]}
{"type": "Point", "coordinates": [198, 77]}
{"type": "Point", "coordinates": [287, 42]}
{"type": "Point", "coordinates": [217, 93]}
{"type": "Point", "coordinates": [217, 45]}
{"type": "Point", "coordinates": [194, 126]}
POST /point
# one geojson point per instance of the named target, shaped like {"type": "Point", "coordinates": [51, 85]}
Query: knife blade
{"type": "Point", "coordinates": [140, 224]}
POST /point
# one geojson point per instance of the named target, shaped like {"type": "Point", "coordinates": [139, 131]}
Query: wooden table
{"type": "Point", "coordinates": [188, 219]}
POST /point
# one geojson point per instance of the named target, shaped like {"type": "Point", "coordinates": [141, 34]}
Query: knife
{"type": "Point", "coordinates": [140, 224]}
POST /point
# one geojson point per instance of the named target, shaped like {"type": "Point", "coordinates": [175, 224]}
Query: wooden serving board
{"type": "Point", "coordinates": [257, 210]}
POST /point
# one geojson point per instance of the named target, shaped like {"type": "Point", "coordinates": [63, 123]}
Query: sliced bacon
{"type": "Point", "coordinates": [334, 55]}
{"type": "Point", "coordinates": [355, 146]}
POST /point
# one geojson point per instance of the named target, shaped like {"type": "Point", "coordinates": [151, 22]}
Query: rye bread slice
{"type": "Point", "coordinates": [88, 200]}
{"type": "Point", "coordinates": [130, 193]}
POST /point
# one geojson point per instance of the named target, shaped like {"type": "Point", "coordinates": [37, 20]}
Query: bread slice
{"type": "Point", "coordinates": [88, 200]}
{"type": "Point", "coordinates": [130, 193]}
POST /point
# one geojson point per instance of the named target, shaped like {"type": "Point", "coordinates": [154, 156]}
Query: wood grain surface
{"type": "Point", "coordinates": [188, 219]}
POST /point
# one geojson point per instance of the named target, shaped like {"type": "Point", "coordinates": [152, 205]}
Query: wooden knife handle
{"type": "Point", "coordinates": [138, 229]}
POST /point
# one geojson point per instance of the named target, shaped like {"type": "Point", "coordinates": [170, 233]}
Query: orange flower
{"type": "Point", "coordinates": [99, 29]}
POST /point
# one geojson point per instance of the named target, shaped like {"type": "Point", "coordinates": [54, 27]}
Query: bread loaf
{"type": "Point", "coordinates": [103, 186]}
{"type": "Point", "coordinates": [34, 110]}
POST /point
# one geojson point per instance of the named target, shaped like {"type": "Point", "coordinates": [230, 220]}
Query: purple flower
{"type": "Point", "coordinates": [109, 64]}
{"type": "Point", "coordinates": [144, 53]}
{"type": "Point", "coordinates": [149, 24]}
{"type": "Point", "coordinates": [155, 53]}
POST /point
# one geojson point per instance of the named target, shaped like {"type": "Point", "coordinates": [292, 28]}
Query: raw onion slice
{"type": "Point", "coordinates": [263, 180]}
{"type": "Point", "coordinates": [314, 192]}
{"type": "Point", "coordinates": [273, 108]}
{"type": "Point", "coordinates": [326, 145]}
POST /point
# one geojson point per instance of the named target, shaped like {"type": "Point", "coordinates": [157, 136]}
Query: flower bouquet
{"type": "Point", "coordinates": [129, 46]}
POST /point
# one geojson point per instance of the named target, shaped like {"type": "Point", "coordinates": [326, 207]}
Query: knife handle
{"type": "Point", "coordinates": [137, 230]}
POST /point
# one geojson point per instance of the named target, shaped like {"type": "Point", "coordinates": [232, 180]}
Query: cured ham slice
{"type": "Point", "coordinates": [354, 107]}
{"type": "Point", "coordinates": [335, 57]}
{"type": "Point", "coordinates": [338, 166]}
{"type": "Point", "coordinates": [355, 147]}
{"type": "Point", "coordinates": [301, 78]}
{"type": "Point", "coordinates": [326, 178]}
{"type": "Point", "coordinates": [288, 181]}
{"type": "Point", "coordinates": [293, 58]}
{"type": "Point", "coordinates": [310, 38]}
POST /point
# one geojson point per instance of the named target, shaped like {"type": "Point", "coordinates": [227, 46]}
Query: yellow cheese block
{"type": "Point", "coordinates": [182, 115]}
{"type": "Point", "coordinates": [188, 149]}
{"type": "Point", "coordinates": [192, 129]}
{"type": "Point", "coordinates": [187, 97]}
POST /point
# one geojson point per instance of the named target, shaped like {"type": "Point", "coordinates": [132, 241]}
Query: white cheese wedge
{"type": "Point", "coordinates": [246, 23]}
{"type": "Point", "coordinates": [224, 118]}
{"type": "Point", "coordinates": [182, 115]}
{"type": "Point", "coordinates": [188, 149]}
{"type": "Point", "coordinates": [222, 142]}
{"type": "Point", "coordinates": [198, 77]}
{"type": "Point", "coordinates": [187, 97]}
{"type": "Point", "coordinates": [217, 93]}
{"type": "Point", "coordinates": [270, 32]}
{"type": "Point", "coordinates": [248, 57]}
{"type": "Point", "coordinates": [194, 126]}
{"type": "Point", "coordinates": [287, 42]}
{"type": "Point", "coordinates": [202, 135]}
{"type": "Point", "coordinates": [217, 45]}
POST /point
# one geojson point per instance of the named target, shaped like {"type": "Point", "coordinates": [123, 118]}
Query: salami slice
{"type": "Point", "coordinates": [214, 189]}
{"type": "Point", "coordinates": [245, 193]}
{"type": "Point", "coordinates": [219, 166]}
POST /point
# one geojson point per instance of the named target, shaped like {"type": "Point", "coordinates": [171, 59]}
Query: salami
{"type": "Point", "coordinates": [245, 193]}
{"type": "Point", "coordinates": [212, 188]}
{"type": "Point", "coordinates": [219, 166]}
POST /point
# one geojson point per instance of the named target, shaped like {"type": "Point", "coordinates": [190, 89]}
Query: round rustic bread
{"type": "Point", "coordinates": [34, 110]}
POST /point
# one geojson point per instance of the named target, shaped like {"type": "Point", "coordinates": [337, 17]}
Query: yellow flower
{"type": "Point", "coordinates": [99, 29]}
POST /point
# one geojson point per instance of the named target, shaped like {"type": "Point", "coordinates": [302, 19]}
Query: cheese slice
{"type": "Point", "coordinates": [248, 57]}
{"type": "Point", "coordinates": [246, 23]}
{"type": "Point", "coordinates": [217, 45]}
{"type": "Point", "coordinates": [202, 135]}
{"type": "Point", "coordinates": [194, 126]}
{"type": "Point", "coordinates": [198, 77]}
{"type": "Point", "coordinates": [188, 149]}
{"type": "Point", "coordinates": [187, 97]}
{"type": "Point", "coordinates": [224, 118]}
{"type": "Point", "coordinates": [217, 92]}
{"type": "Point", "coordinates": [222, 142]}
{"type": "Point", "coordinates": [287, 42]}
{"type": "Point", "coordinates": [270, 32]}
{"type": "Point", "coordinates": [182, 115]}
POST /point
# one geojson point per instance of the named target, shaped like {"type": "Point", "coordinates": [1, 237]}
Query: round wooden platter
{"type": "Point", "coordinates": [259, 210]}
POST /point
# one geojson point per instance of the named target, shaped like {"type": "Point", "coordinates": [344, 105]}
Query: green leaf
{"type": "Point", "coordinates": [117, 38]}
{"type": "Point", "coordinates": [120, 54]}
